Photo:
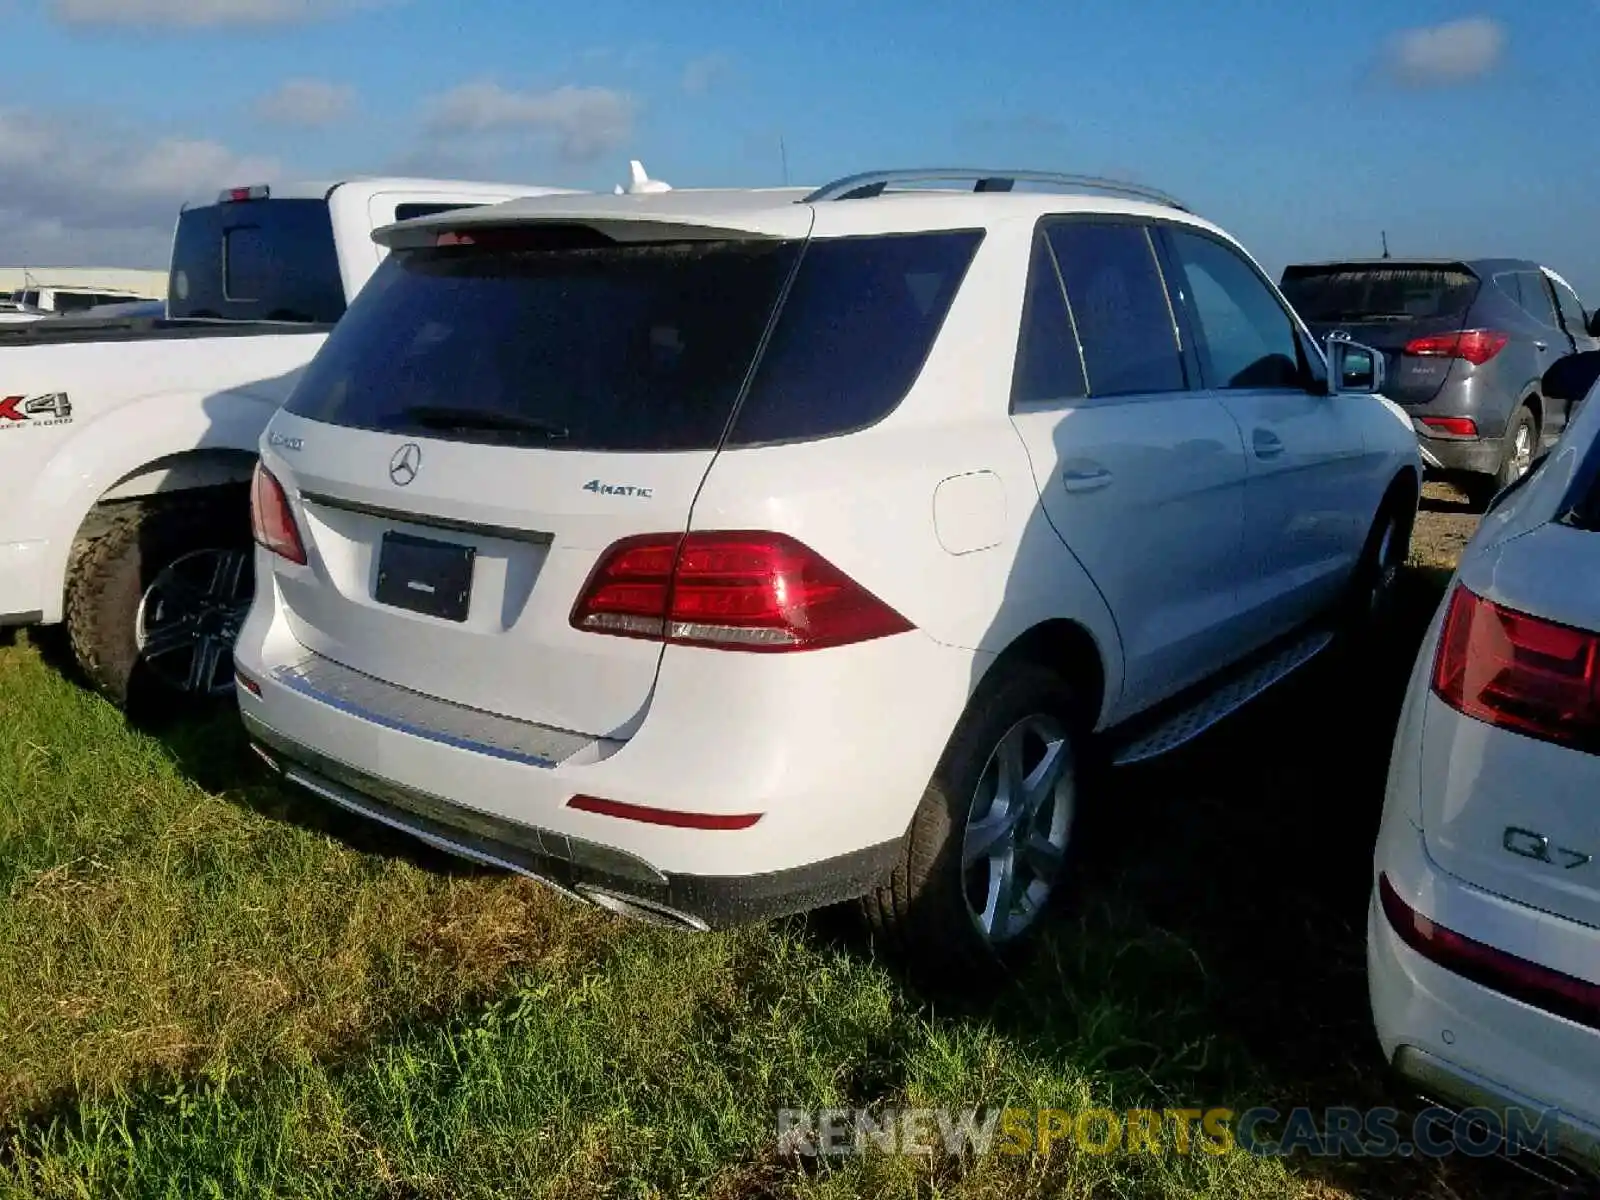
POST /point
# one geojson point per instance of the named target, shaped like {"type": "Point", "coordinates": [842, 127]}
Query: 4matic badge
{"type": "Point", "coordinates": [21, 411]}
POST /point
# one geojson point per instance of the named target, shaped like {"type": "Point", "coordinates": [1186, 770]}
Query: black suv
{"type": "Point", "coordinates": [1466, 344]}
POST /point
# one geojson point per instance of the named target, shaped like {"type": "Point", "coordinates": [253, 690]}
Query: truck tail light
{"type": "Point", "coordinates": [272, 520]}
{"type": "Point", "coordinates": [733, 591]}
{"type": "Point", "coordinates": [1520, 673]}
{"type": "Point", "coordinates": [1477, 346]}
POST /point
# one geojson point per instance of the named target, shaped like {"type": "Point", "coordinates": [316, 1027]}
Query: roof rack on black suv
{"type": "Point", "coordinates": [873, 183]}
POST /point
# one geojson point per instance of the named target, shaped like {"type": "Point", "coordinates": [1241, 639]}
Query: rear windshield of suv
{"type": "Point", "coordinates": [637, 347]}
{"type": "Point", "coordinates": [257, 260]}
{"type": "Point", "coordinates": [1352, 293]}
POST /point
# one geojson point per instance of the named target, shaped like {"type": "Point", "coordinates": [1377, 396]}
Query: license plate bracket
{"type": "Point", "coordinates": [425, 576]}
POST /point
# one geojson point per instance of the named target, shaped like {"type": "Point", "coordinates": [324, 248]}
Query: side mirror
{"type": "Point", "coordinates": [1353, 367]}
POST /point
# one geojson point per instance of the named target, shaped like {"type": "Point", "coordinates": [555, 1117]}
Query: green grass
{"type": "Point", "coordinates": [209, 987]}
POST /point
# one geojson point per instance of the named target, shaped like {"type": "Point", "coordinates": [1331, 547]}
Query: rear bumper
{"type": "Point", "coordinates": [829, 752]}
{"type": "Point", "coordinates": [1469, 456]}
{"type": "Point", "coordinates": [1461, 1044]}
{"type": "Point", "coordinates": [580, 869]}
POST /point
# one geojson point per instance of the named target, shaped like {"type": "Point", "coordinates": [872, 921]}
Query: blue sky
{"type": "Point", "coordinates": [1305, 130]}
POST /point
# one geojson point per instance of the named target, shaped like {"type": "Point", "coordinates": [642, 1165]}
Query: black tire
{"type": "Point", "coordinates": [922, 916]}
{"type": "Point", "coordinates": [1369, 605]}
{"type": "Point", "coordinates": [140, 544]}
{"type": "Point", "coordinates": [1481, 489]}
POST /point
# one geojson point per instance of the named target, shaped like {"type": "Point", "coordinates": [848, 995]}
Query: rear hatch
{"type": "Point", "coordinates": [1510, 798]}
{"type": "Point", "coordinates": [507, 411]}
{"type": "Point", "coordinates": [1386, 305]}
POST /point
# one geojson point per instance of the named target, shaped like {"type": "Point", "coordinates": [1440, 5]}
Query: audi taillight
{"type": "Point", "coordinates": [272, 520]}
{"type": "Point", "coordinates": [1519, 672]}
{"type": "Point", "coordinates": [1477, 346]}
{"type": "Point", "coordinates": [734, 591]}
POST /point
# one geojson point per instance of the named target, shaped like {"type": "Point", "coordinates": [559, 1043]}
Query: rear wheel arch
{"type": "Point", "coordinates": [1069, 650]}
{"type": "Point", "coordinates": [1534, 403]}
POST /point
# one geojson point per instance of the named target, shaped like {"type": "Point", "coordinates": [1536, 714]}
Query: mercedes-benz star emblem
{"type": "Point", "coordinates": [405, 464]}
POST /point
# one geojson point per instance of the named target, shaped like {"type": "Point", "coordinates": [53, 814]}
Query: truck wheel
{"type": "Point", "coordinates": [155, 600]}
{"type": "Point", "coordinates": [1521, 445]}
{"type": "Point", "coordinates": [987, 851]}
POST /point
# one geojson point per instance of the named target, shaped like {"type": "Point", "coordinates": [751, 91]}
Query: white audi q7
{"type": "Point", "coordinates": [717, 554]}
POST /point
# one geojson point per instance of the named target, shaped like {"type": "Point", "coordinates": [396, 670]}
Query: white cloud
{"type": "Point", "coordinates": [583, 122]}
{"type": "Point", "coordinates": [195, 14]}
{"type": "Point", "coordinates": [306, 103]}
{"type": "Point", "coordinates": [1451, 53]}
{"type": "Point", "coordinates": [703, 74]}
{"type": "Point", "coordinates": [77, 192]}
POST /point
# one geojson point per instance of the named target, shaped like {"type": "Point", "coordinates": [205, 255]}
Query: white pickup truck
{"type": "Point", "coordinates": [126, 446]}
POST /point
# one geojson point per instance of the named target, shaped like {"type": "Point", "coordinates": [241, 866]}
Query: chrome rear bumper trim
{"type": "Point", "coordinates": [442, 721]}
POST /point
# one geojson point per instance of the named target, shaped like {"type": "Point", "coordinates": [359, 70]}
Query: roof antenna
{"type": "Point", "coordinates": [783, 155]}
{"type": "Point", "coordinates": [640, 183]}
{"type": "Point", "coordinates": [1386, 243]}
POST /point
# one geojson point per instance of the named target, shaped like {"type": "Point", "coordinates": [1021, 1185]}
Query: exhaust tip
{"type": "Point", "coordinates": [641, 910]}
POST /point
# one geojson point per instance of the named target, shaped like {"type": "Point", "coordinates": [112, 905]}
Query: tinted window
{"type": "Point", "coordinates": [1571, 310]}
{"type": "Point", "coordinates": [1119, 305]}
{"type": "Point", "coordinates": [857, 326]}
{"type": "Point", "coordinates": [1323, 295]}
{"type": "Point", "coordinates": [1510, 282]}
{"type": "Point", "coordinates": [1049, 366]}
{"type": "Point", "coordinates": [1244, 337]}
{"type": "Point", "coordinates": [612, 348]}
{"type": "Point", "coordinates": [407, 212]}
{"type": "Point", "coordinates": [257, 260]}
{"type": "Point", "coordinates": [1536, 298]}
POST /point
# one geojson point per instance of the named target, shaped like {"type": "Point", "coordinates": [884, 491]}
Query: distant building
{"type": "Point", "coordinates": [147, 285]}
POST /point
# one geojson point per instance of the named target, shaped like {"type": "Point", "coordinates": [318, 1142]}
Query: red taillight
{"type": "Point", "coordinates": [1563, 995]}
{"type": "Point", "coordinates": [673, 817]}
{"type": "Point", "coordinates": [1477, 346]}
{"type": "Point", "coordinates": [1459, 426]}
{"type": "Point", "coordinates": [272, 520]}
{"type": "Point", "coordinates": [736, 591]}
{"type": "Point", "coordinates": [1519, 672]}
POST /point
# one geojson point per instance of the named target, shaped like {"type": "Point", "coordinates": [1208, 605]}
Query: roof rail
{"type": "Point", "coordinates": [873, 183]}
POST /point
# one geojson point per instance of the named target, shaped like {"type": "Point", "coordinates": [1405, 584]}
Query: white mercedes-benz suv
{"type": "Point", "coordinates": [712, 555]}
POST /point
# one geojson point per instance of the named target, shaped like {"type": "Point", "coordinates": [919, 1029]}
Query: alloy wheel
{"type": "Point", "coordinates": [1018, 826]}
{"type": "Point", "coordinates": [190, 616]}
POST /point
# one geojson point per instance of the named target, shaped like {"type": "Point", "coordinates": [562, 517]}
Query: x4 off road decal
{"type": "Point", "coordinates": [23, 412]}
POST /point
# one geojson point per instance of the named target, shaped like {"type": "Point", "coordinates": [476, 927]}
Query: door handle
{"type": "Point", "coordinates": [1266, 443]}
{"type": "Point", "coordinates": [1089, 477]}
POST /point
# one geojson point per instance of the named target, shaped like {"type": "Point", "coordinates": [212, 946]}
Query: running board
{"type": "Point", "coordinates": [1233, 694]}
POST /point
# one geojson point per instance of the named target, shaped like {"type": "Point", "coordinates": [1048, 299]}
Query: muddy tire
{"type": "Point", "coordinates": [1004, 794]}
{"type": "Point", "coordinates": [155, 598]}
{"type": "Point", "coordinates": [1521, 447]}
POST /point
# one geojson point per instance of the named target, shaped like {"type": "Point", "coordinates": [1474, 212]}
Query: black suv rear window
{"type": "Point", "coordinates": [257, 260]}
{"type": "Point", "coordinates": [635, 347]}
{"type": "Point", "coordinates": [1352, 293]}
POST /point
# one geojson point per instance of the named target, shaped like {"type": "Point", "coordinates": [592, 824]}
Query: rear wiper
{"type": "Point", "coordinates": [444, 418]}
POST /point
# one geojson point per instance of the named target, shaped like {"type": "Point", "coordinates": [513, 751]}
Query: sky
{"type": "Point", "coordinates": [1306, 131]}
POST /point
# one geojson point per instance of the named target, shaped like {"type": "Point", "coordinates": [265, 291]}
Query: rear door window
{"type": "Point", "coordinates": [857, 325]}
{"type": "Point", "coordinates": [1119, 306]}
{"type": "Point", "coordinates": [1537, 301]}
{"type": "Point", "coordinates": [1572, 315]}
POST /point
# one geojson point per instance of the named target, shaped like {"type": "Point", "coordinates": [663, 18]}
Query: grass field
{"type": "Point", "coordinates": [209, 987]}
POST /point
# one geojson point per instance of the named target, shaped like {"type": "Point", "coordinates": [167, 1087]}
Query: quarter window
{"type": "Point", "coordinates": [1049, 364]}
{"type": "Point", "coordinates": [1244, 336]}
{"type": "Point", "coordinates": [1119, 305]}
{"type": "Point", "coordinates": [1571, 311]}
